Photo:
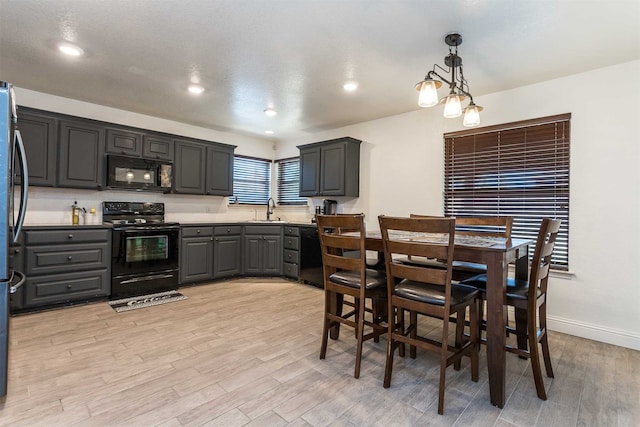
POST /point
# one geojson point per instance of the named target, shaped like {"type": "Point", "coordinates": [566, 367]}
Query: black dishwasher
{"type": "Point", "coordinates": [310, 257]}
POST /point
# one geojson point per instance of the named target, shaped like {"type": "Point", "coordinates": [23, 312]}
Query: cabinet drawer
{"type": "Point", "coordinates": [62, 258]}
{"type": "Point", "coordinates": [291, 231]}
{"type": "Point", "coordinates": [291, 243]}
{"type": "Point", "coordinates": [71, 235]}
{"type": "Point", "coordinates": [231, 229]}
{"type": "Point", "coordinates": [291, 270]}
{"type": "Point", "coordinates": [291, 256]}
{"type": "Point", "coordinates": [197, 231]}
{"type": "Point", "coordinates": [58, 288]}
{"type": "Point", "coordinates": [262, 229]}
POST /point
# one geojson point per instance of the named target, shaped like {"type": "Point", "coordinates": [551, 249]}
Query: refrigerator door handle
{"type": "Point", "coordinates": [14, 288]}
{"type": "Point", "coordinates": [25, 184]}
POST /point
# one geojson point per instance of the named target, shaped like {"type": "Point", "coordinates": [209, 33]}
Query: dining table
{"type": "Point", "coordinates": [496, 254]}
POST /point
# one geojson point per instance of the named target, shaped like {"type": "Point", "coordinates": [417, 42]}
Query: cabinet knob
{"type": "Point", "coordinates": [69, 257]}
{"type": "Point", "coordinates": [68, 286]}
{"type": "Point", "coordinates": [70, 236]}
{"type": "Point", "coordinates": [228, 230]}
{"type": "Point", "coordinates": [17, 251]}
{"type": "Point", "coordinates": [198, 231]}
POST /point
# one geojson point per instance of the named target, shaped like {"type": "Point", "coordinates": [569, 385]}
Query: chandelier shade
{"type": "Point", "coordinates": [459, 89]}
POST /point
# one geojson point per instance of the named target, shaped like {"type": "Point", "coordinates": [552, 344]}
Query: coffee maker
{"type": "Point", "coordinates": [329, 207]}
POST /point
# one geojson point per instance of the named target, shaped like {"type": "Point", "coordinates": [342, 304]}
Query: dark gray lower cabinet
{"type": "Point", "coordinates": [196, 254]}
{"type": "Point", "coordinates": [291, 252]}
{"type": "Point", "coordinates": [263, 250]}
{"type": "Point", "coordinates": [227, 251]}
{"type": "Point", "coordinates": [66, 265]}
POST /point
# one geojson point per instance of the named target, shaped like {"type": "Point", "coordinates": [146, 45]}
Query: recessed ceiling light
{"type": "Point", "coordinates": [350, 86]}
{"type": "Point", "coordinates": [269, 132]}
{"type": "Point", "coordinates": [196, 89]}
{"type": "Point", "coordinates": [70, 49]}
{"type": "Point", "coordinates": [270, 112]}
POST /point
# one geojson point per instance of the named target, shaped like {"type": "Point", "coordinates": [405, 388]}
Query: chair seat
{"type": "Point", "coordinates": [433, 294]}
{"type": "Point", "coordinates": [516, 289]}
{"type": "Point", "coordinates": [374, 279]}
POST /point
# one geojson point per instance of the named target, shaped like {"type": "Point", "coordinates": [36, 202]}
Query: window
{"type": "Point", "coordinates": [518, 169]}
{"type": "Point", "coordinates": [288, 173]}
{"type": "Point", "coordinates": [251, 180]}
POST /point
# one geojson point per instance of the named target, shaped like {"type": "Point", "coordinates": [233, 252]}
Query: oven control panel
{"type": "Point", "coordinates": [133, 208]}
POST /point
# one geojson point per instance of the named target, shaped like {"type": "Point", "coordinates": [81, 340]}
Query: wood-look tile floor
{"type": "Point", "coordinates": [245, 352]}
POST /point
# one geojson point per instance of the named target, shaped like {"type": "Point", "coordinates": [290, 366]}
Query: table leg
{"type": "Point", "coordinates": [496, 323]}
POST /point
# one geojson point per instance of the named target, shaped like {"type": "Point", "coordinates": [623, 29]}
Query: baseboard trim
{"type": "Point", "coordinates": [594, 332]}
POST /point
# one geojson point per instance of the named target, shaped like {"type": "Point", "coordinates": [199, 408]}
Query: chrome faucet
{"type": "Point", "coordinates": [271, 204]}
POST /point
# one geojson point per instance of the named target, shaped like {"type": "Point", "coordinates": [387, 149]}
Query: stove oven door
{"type": "Point", "coordinates": [144, 259]}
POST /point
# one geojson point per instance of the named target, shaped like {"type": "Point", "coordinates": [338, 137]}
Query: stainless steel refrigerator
{"type": "Point", "coordinates": [11, 154]}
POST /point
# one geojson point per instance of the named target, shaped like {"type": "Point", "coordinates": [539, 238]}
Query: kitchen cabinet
{"type": "Point", "coordinates": [330, 168]}
{"type": "Point", "coordinates": [65, 265]}
{"type": "Point", "coordinates": [291, 252]}
{"type": "Point", "coordinates": [196, 254]}
{"type": "Point", "coordinates": [124, 142]}
{"type": "Point", "coordinates": [39, 134]}
{"type": "Point", "coordinates": [263, 250]}
{"type": "Point", "coordinates": [81, 151]}
{"type": "Point", "coordinates": [227, 251]}
{"type": "Point", "coordinates": [203, 168]}
{"type": "Point", "coordinates": [156, 146]}
{"type": "Point", "coordinates": [219, 170]}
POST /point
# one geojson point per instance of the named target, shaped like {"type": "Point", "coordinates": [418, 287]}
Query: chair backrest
{"type": "Point", "coordinates": [340, 235]}
{"type": "Point", "coordinates": [483, 226]}
{"type": "Point", "coordinates": [541, 262]}
{"type": "Point", "coordinates": [407, 237]}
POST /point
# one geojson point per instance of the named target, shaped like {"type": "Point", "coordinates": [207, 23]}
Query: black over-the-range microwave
{"type": "Point", "coordinates": [139, 174]}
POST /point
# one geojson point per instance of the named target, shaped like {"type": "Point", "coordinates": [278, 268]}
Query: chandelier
{"type": "Point", "coordinates": [458, 87]}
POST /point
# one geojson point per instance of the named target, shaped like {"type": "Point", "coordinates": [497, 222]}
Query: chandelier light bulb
{"type": "Point", "coordinates": [428, 93]}
{"type": "Point", "coordinates": [471, 115]}
{"type": "Point", "coordinates": [452, 106]}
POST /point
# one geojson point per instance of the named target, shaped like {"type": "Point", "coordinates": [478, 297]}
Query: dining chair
{"type": "Point", "coordinates": [427, 291]}
{"type": "Point", "coordinates": [478, 226]}
{"type": "Point", "coordinates": [347, 275]}
{"type": "Point", "coordinates": [529, 299]}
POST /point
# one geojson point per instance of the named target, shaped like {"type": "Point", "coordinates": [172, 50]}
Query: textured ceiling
{"type": "Point", "coordinates": [294, 55]}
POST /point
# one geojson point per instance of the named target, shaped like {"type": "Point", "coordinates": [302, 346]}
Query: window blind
{"type": "Point", "coordinates": [519, 169]}
{"type": "Point", "coordinates": [251, 180]}
{"type": "Point", "coordinates": [288, 173]}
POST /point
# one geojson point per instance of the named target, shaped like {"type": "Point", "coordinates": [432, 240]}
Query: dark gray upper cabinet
{"type": "Point", "coordinates": [189, 170]}
{"type": "Point", "coordinates": [81, 162]}
{"type": "Point", "coordinates": [124, 142]}
{"type": "Point", "coordinates": [330, 168]}
{"type": "Point", "coordinates": [39, 134]}
{"type": "Point", "coordinates": [157, 147]}
{"type": "Point", "coordinates": [203, 168]}
{"type": "Point", "coordinates": [219, 170]}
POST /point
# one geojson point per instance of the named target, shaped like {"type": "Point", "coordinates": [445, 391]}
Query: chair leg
{"type": "Point", "coordinates": [359, 334]}
{"type": "Point", "coordinates": [391, 347]}
{"type": "Point", "coordinates": [443, 369]}
{"type": "Point", "coordinates": [474, 329]}
{"type": "Point", "coordinates": [521, 327]}
{"type": "Point", "coordinates": [325, 328]}
{"type": "Point", "coordinates": [400, 318]}
{"type": "Point", "coordinates": [545, 342]}
{"type": "Point", "coordinates": [460, 318]}
{"type": "Point", "coordinates": [535, 359]}
{"type": "Point", "coordinates": [413, 323]}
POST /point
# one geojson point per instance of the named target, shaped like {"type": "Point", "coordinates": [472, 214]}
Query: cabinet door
{"type": "Point", "coordinates": [39, 136]}
{"type": "Point", "coordinates": [253, 254]}
{"type": "Point", "coordinates": [272, 255]}
{"type": "Point", "coordinates": [310, 172]}
{"type": "Point", "coordinates": [157, 147]}
{"type": "Point", "coordinates": [332, 170]}
{"type": "Point", "coordinates": [196, 259]}
{"type": "Point", "coordinates": [189, 170]}
{"type": "Point", "coordinates": [121, 141]}
{"type": "Point", "coordinates": [227, 256]}
{"type": "Point", "coordinates": [219, 171]}
{"type": "Point", "coordinates": [81, 161]}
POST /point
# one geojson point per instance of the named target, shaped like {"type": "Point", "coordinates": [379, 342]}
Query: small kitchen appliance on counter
{"type": "Point", "coordinates": [144, 252]}
{"type": "Point", "coordinates": [329, 207]}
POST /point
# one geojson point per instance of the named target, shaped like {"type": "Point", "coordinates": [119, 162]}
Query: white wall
{"type": "Point", "coordinates": [402, 172]}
